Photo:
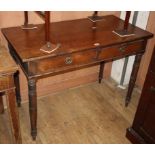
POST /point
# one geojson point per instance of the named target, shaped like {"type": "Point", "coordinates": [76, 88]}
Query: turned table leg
{"type": "Point", "coordinates": [133, 78]}
{"type": "Point", "coordinates": [33, 106]}
{"type": "Point", "coordinates": [101, 72]}
{"type": "Point", "coordinates": [13, 112]}
{"type": "Point", "coordinates": [1, 104]}
{"type": "Point", "coordinates": [17, 85]}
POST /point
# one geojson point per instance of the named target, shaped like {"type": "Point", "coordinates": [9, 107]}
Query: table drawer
{"type": "Point", "coordinates": [6, 82]}
{"type": "Point", "coordinates": [121, 50]}
{"type": "Point", "coordinates": [65, 61]}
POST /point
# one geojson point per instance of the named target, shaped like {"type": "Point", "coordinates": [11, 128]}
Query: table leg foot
{"type": "Point", "coordinates": [99, 80]}
{"type": "Point", "coordinates": [127, 100]}
{"type": "Point", "coordinates": [34, 134]}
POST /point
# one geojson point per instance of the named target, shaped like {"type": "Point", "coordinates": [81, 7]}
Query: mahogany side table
{"type": "Point", "coordinates": [81, 46]}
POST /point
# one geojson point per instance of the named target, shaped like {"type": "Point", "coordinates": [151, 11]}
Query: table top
{"type": "Point", "coordinates": [74, 35]}
{"type": "Point", "coordinates": [7, 64]}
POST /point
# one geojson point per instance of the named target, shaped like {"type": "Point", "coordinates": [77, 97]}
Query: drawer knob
{"type": "Point", "coordinates": [122, 49]}
{"type": "Point", "coordinates": [152, 88]}
{"type": "Point", "coordinates": [68, 60]}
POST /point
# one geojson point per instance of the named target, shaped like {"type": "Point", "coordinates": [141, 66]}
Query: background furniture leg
{"type": "Point", "coordinates": [13, 113]}
{"type": "Point", "coordinates": [1, 104]}
{"type": "Point", "coordinates": [17, 85]}
{"type": "Point", "coordinates": [101, 72]}
{"type": "Point", "coordinates": [133, 78]}
{"type": "Point", "coordinates": [33, 106]}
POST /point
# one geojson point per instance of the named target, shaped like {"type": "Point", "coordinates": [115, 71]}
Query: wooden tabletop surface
{"type": "Point", "coordinates": [73, 35]}
{"type": "Point", "coordinates": [7, 65]}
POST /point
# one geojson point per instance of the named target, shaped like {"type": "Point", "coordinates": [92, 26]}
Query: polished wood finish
{"type": "Point", "coordinates": [62, 81]}
{"type": "Point", "coordinates": [127, 17]}
{"type": "Point", "coordinates": [74, 36]}
{"type": "Point", "coordinates": [7, 70]}
{"type": "Point", "coordinates": [46, 17]}
{"type": "Point", "coordinates": [26, 18]}
{"type": "Point", "coordinates": [119, 51]}
{"type": "Point", "coordinates": [47, 26]}
{"type": "Point", "coordinates": [143, 127]}
{"type": "Point", "coordinates": [59, 63]}
{"type": "Point", "coordinates": [81, 46]}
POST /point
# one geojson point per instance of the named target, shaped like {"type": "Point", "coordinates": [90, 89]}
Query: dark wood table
{"type": "Point", "coordinates": [83, 44]}
{"type": "Point", "coordinates": [8, 69]}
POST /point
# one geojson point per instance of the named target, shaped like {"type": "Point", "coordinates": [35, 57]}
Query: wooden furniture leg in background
{"type": "Point", "coordinates": [13, 112]}
{"type": "Point", "coordinates": [133, 78]}
{"type": "Point", "coordinates": [17, 84]}
{"type": "Point", "coordinates": [1, 104]}
{"type": "Point", "coordinates": [33, 106]}
{"type": "Point", "coordinates": [101, 72]}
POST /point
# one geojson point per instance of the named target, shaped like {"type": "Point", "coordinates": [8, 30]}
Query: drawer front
{"type": "Point", "coordinates": [122, 50]}
{"type": "Point", "coordinates": [6, 82]}
{"type": "Point", "coordinates": [66, 61]}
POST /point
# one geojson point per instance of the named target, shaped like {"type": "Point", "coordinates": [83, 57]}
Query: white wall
{"type": "Point", "coordinates": [117, 66]}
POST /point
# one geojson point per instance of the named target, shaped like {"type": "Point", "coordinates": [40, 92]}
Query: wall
{"type": "Point", "coordinates": [59, 82]}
